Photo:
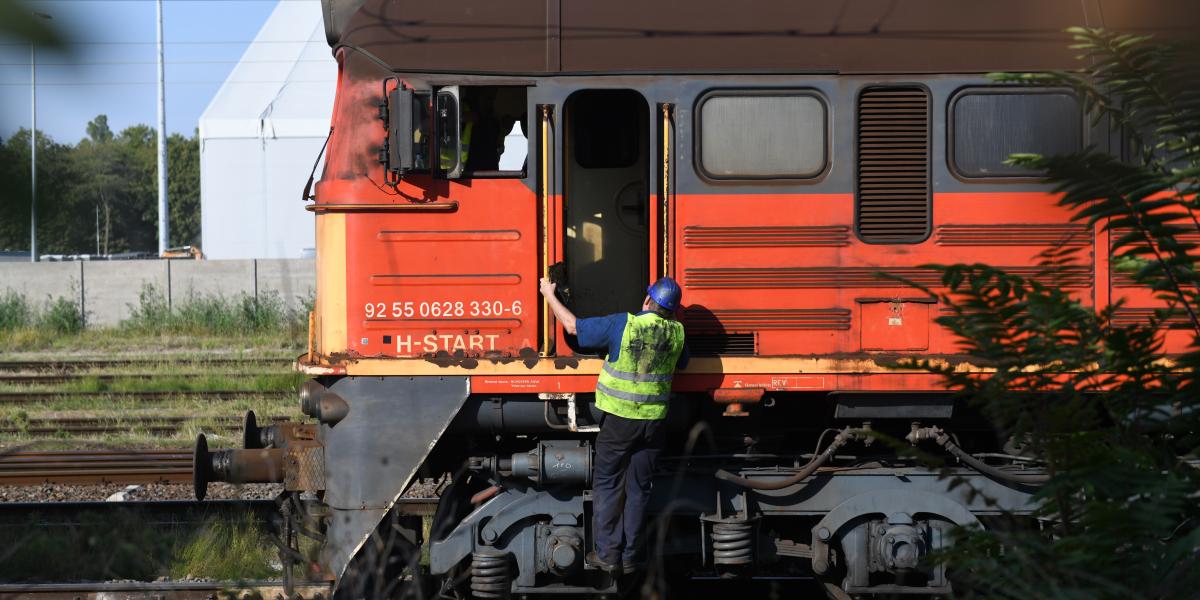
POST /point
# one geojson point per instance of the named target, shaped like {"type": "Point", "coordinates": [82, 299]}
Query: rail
{"type": "Point", "coordinates": [153, 424]}
{"type": "Point", "coordinates": [91, 467]}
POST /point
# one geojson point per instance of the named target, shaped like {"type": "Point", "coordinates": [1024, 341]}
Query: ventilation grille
{"type": "Point", "coordinates": [720, 321]}
{"type": "Point", "coordinates": [893, 165]}
{"type": "Point", "coordinates": [1128, 317]}
{"type": "Point", "coordinates": [735, 344]}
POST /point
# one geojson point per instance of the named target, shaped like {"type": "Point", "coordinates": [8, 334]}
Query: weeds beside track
{"type": "Point", "coordinates": [11, 366]}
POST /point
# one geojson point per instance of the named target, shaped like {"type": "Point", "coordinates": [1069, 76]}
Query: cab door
{"type": "Point", "coordinates": [607, 183]}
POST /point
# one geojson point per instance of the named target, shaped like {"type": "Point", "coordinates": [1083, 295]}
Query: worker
{"type": "Point", "coordinates": [466, 128]}
{"type": "Point", "coordinates": [634, 386]}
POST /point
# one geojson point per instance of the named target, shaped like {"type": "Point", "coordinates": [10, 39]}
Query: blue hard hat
{"type": "Point", "coordinates": [666, 293]}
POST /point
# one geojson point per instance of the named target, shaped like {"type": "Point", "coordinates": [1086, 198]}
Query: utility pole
{"type": "Point", "coordinates": [33, 255]}
{"type": "Point", "coordinates": [163, 210]}
{"type": "Point", "coordinates": [33, 153]}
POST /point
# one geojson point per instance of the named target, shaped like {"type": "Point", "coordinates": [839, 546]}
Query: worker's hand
{"type": "Point", "coordinates": [546, 287]}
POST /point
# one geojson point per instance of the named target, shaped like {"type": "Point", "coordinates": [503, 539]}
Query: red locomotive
{"type": "Point", "coordinates": [779, 159]}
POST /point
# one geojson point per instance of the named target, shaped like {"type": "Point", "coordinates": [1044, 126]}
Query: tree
{"type": "Point", "coordinates": [1114, 421]}
{"type": "Point", "coordinates": [106, 175]}
{"type": "Point", "coordinates": [183, 188]}
{"type": "Point", "coordinates": [98, 131]}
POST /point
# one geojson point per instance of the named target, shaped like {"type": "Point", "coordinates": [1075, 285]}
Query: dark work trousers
{"type": "Point", "coordinates": [626, 451]}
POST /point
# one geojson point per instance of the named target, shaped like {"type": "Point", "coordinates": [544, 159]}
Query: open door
{"type": "Point", "coordinates": [606, 213]}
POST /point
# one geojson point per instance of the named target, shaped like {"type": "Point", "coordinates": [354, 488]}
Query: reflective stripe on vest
{"type": "Point", "coordinates": [638, 377]}
{"type": "Point", "coordinates": [632, 397]}
{"type": "Point", "coordinates": [638, 384]}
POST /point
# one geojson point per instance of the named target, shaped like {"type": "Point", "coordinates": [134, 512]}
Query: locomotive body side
{"type": "Point", "coordinates": [469, 159]}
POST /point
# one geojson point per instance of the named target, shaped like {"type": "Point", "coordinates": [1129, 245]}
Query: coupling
{"type": "Point", "coordinates": [263, 465]}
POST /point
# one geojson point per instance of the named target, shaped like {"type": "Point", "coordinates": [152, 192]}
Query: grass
{"type": "Point", "coordinates": [120, 545]}
{"type": "Point", "coordinates": [188, 398]}
{"type": "Point", "coordinates": [172, 382]}
{"type": "Point", "coordinates": [209, 322]}
{"type": "Point", "coordinates": [208, 417]}
{"type": "Point", "coordinates": [288, 341]}
{"type": "Point", "coordinates": [177, 339]}
{"type": "Point", "coordinates": [180, 371]}
{"type": "Point", "coordinates": [219, 315]}
{"type": "Point", "coordinates": [56, 317]}
{"type": "Point", "coordinates": [228, 550]}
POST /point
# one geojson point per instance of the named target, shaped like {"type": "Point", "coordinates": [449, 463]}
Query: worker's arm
{"type": "Point", "coordinates": [562, 313]}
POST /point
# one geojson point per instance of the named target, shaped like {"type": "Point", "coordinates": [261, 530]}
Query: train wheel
{"type": "Point", "coordinates": [455, 503]}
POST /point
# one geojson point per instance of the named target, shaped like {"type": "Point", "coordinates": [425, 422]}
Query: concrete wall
{"type": "Point", "coordinates": [109, 290]}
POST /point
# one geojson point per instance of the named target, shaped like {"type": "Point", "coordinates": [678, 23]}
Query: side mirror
{"type": "Point", "coordinates": [401, 154]}
{"type": "Point", "coordinates": [451, 148]}
{"type": "Point", "coordinates": [408, 125]}
{"type": "Point", "coordinates": [411, 116]}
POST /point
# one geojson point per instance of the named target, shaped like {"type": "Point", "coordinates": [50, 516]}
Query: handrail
{"type": "Point", "coordinates": [666, 190]}
{"type": "Point", "coordinates": [546, 229]}
{"type": "Point", "coordinates": [408, 207]}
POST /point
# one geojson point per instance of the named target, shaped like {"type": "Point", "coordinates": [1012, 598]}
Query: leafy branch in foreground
{"type": "Point", "coordinates": [1114, 419]}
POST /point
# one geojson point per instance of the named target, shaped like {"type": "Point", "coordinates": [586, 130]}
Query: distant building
{"type": "Point", "coordinates": [260, 136]}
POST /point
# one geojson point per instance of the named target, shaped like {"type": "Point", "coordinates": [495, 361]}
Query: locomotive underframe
{"type": "Point", "coordinates": [516, 519]}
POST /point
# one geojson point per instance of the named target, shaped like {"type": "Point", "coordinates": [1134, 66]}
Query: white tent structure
{"type": "Point", "coordinates": [260, 135]}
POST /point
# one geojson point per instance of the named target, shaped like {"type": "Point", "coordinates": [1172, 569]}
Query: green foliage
{"type": "Point", "coordinates": [1149, 198]}
{"type": "Point", "coordinates": [121, 544]}
{"type": "Point", "coordinates": [1116, 426]}
{"type": "Point", "coordinates": [210, 314]}
{"type": "Point", "coordinates": [15, 311]}
{"type": "Point", "coordinates": [59, 315]}
{"type": "Point", "coordinates": [106, 177]}
{"type": "Point", "coordinates": [20, 20]}
{"type": "Point", "coordinates": [62, 316]}
{"type": "Point", "coordinates": [227, 551]}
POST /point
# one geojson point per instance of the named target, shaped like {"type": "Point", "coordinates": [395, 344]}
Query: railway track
{"type": "Point", "coordinates": [24, 397]}
{"type": "Point", "coordinates": [46, 513]}
{"type": "Point", "coordinates": [67, 377]}
{"type": "Point", "coordinates": [96, 467]}
{"type": "Point", "coordinates": [163, 590]}
{"type": "Point", "coordinates": [16, 366]}
{"type": "Point", "coordinates": [90, 467]}
{"type": "Point", "coordinates": [158, 425]}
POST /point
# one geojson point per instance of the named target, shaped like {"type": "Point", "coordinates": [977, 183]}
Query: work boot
{"type": "Point", "coordinates": [593, 560]}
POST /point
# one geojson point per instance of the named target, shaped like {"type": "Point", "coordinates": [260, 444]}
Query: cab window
{"type": "Point", "coordinates": [493, 131]}
{"type": "Point", "coordinates": [988, 126]}
{"type": "Point", "coordinates": [752, 134]}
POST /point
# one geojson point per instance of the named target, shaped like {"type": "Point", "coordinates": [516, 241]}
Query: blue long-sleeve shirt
{"type": "Point", "coordinates": [606, 332]}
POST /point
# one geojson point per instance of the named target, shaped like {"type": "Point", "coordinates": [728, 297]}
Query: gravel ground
{"type": "Point", "coordinates": [154, 491]}
{"type": "Point", "coordinates": [425, 488]}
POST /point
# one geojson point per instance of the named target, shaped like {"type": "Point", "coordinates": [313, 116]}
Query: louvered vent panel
{"type": "Point", "coordinates": [721, 344]}
{"type": "Point", "coordinates": [893, 165]}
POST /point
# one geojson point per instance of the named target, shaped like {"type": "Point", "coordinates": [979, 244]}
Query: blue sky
{"type": "Point", "coordinates": [112, 67]}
